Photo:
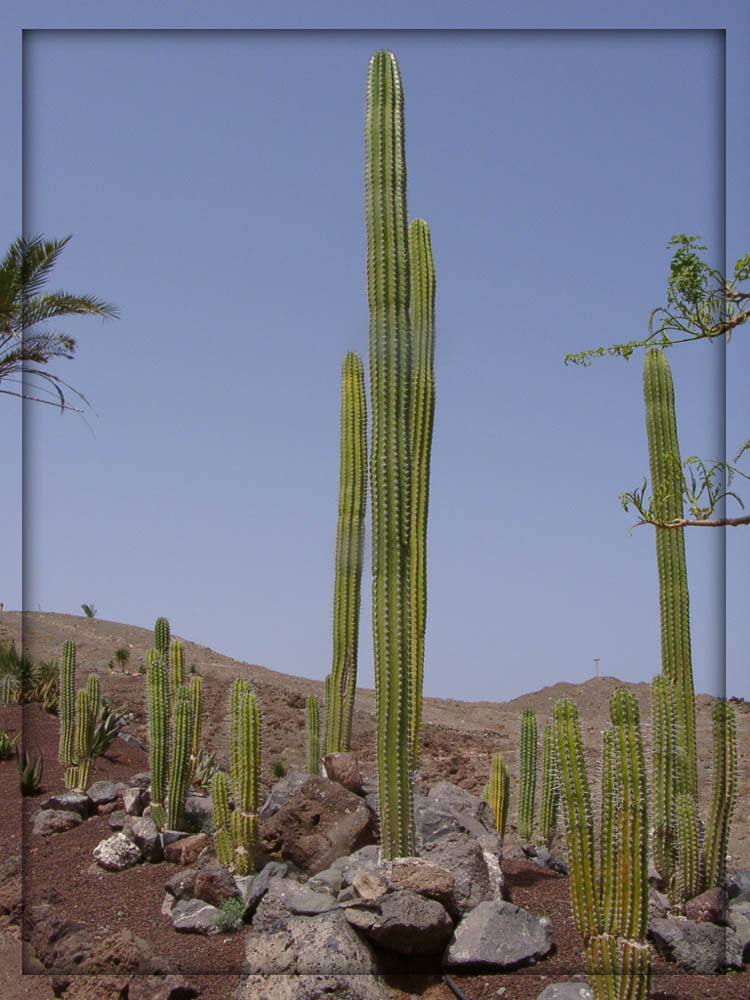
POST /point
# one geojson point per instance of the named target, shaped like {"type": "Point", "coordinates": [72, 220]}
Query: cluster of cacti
{"type": "Point", "coordinates": [497, 792]}
{"type": "Point", "coordinates": [550, 796]}
{"type": "Point", "coordinates": [527, 776]}
{"type": "Point", "coordinates": [236, 834]}
{"type": "Point", "coordinates": [689, 859]}
{"type": "Point", "coordinates": [610, 902]}
{"type": "Point", "coordinates": [686, 867]}
{"type": "Point", "coordinates": [174, 715]}
{"type": "Point", "coordinates": [350, 536]}
{"type": "Point", "coordinates": [401, 385]}
{"type": "Point", "coordinates": [78, 714]}
{"type": "Point", "coordinates": [313, 737]}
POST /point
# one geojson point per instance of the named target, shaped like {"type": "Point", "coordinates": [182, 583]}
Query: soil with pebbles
{"type": "Point", "coordinates": [458, 741]}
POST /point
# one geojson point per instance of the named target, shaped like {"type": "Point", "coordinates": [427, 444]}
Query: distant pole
{"type": "Point", "coordinates": [596, 664]}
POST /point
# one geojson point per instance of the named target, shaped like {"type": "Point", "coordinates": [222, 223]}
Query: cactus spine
{"type": "Point", "coordinates": [610, 907]}
{"type": "Point", "coordinates": [350, 536]}
{"type": "Point", "coordinates": [674, 603]}
{"type": "Point", "coordinates": [390, 463]}
{"type": "Point", "coordinates": [527, 779]}
{"type": "Point", "coordinates": [421, 419]}
{"type": "Point", "coordinates": [180, 763]}
{"type": "Point", "coordinates": [497, 792]}
{"type": "Point", "coordinates": [176, 664]}
{"type": "Point", "coordinates": [313, 746]}
{"type": "Point", "coordinates": [161, 638]}
{"type": "Point", "coordinates": [550, 791]}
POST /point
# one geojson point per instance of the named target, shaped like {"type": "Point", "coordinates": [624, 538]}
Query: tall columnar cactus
{"type": "Point", "coordinates": [497, 792]}
{"type": "Point", "coordinates": [158, 726]}
{"type": "Point", "coordinates": [67, 710]}
{"type": "Point", "coordinates": [390, 460]}
{"type": "Point", "coordinates": [350, 536]}
{"type": "Point", "coordinates": [550, 790]}
{"type": "Point", "coordinates": [610, 907]}
{"type": "Point", "coordinates": [421, 419]}
{"type": "Point", "coordinates": [179, 773]}
{"type": "Point", "coordinates": [527, 776]}
{"type": "Point", "coordinates": [666, 482]}
{"type": "Point", "coordinates": [313, 743]}
{"type": "Point", "coordinates": [84, 737]}
{"type": "Point", "coordinates": [220, 804]}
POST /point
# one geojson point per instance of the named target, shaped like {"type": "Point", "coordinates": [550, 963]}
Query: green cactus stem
{"type": "Point", "coordinates": [176, 665]}
{"type": "Point", "coordinates": [497, 792]}
{"type": "Point", "coordinates": [220, 805]}
{"type": "Point", "coordinates": [161, 638]}
{"type": "Point", "coordinates": [390, 462]}
{"type": "Point", "coordinates": [196, 704]}
{"type": "Point", "coordinates": [663, 780]}
{"type": "Point", "coordinates": [313, 725]}
{"type": "Point", "coordinates": [688, 878]}
{"type": "Point", "coordinates": [84, 734]}
{"type": "Point", "coordinates": [724, 794]}
{"type": "Point", "coordinates": [158, 721]}
{"type": "Point", "coordinates": [180, 758]}
{"type": "Point", "coordinates": [350, 535]}
{"type": "Point", "coordinates": [246, 783]}
{"type": "Point", "coordinates": [550, 792]}
{"type": "Point", "coordinates": [527, 778]}
{"type": "Point", "coordinates": [421, 419]}
{"type": "Point", "coordinates": [674, 604]}
{"type": "Point", "coordinates": [67, 707]}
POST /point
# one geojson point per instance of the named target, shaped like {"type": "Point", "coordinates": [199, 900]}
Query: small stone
{"type": "Point", "coordinates": [131, 801]}
{"type": "Point", "coordinates": [185, 852]}
{"type": "Point", "coordinates": [141, 780]}
{"type": "Point", "coordinates": [343, 768]}
{"type": "Point", "coordinates": [369, 885]}
{"type": "Point", "coordinates": [182, 884]}
{"type": "Point", "coordinates": [49, 821]}
{"type": "Point", "coordinates": [215, 887]}
{"type": "Point", "coordinates": [118, 819]}
{"type": "Point", "coordinates": [193, 916]}
{"type": "Point", "coordinates": [117, 853]}
{"type": "Point", "coordinates": [107, 808]}
{"type": "Point", "coordinates": [566, 991]}
{"type": "Point", "coordinates": [102, 792]}
{"type": "Point", "coordinates": [143, 832]}
{"type": "Point", "coordinates": [76, 802]}
{"type": "Point", "coordinates": [708, 907]}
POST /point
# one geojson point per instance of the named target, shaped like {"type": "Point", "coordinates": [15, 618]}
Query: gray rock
{"type": "Point", "coordinates": [118, 819]}
{"type": "Point", "coordinates": [282, 791]}
{"type": "Point", "coordinates": [329, 878]}
{"type": "Point", "coordinates": [243, 883]}
{"type": "Point", "coordinates": [194, 916]}
{"type": "Point", "coordinates": [312, 988]}
{"type": "Point", "coordinates": [498, 935]}
{"type": "Point", "coordinates": [465, 805]}
{"type": "Point", "coordinates": [566, 991]}
{"type": "Point", "coordinates": [285, 898]}
{"type": "Point", "coordinates": [143, 831]}
{"type": "Point", "coordinates": [738, 886]}
{"type": "Point", "coordinates": [406, 923]}
{"type": "Point", "coordinates": [738, 918]}
{"type": "Point", "coordinates": [346, 867]}
{"type": "Point", "coordinates": [699, 947]}
{"type": "Point", "coordinates": [132, 802]}
{"type": "Point", "coordinates": [102, 792]}
{"type": "Point", "coordinates": [322, 945]}
{"type": "Point", "coordinates": [658, 904]}
{"type": "Point", "coordinates": [215, 886]}
{"type": "Point", "coordinates": [141, 780]}
{"type": "Point", "coordinates": [182, 884]}
{"type": "Point", "coordinates": [49, 821]}
{"type": "Point", "coordinates": [173, 836]}
{"type": "Point", "coordinates": [10, 868]}
{"type": "Point", "coordinates": [543, 856]}
{"type": "Point", "coordinates": [461, 855]}
{"type": "Point", "coordinates": [167, 905]}
{"type": "Point", "coordinates": [260, 885]}
{"type": "Point", "coordinates": [77, 802]}
{"type": "Point", "coordinates": [117, 853]}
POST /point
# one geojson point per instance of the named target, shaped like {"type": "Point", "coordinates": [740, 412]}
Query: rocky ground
{"type": "Point", "coordinates": [458, 741]}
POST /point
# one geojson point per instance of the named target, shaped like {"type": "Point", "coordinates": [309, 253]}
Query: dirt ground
{"type": "Point", "coordinates": [458, 741]}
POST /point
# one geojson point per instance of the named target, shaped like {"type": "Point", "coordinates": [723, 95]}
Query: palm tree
{"type": "Point", "coordinates": [25, 338]}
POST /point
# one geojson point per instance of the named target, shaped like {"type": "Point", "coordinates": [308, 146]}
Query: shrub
{"type": "Point", "coordinates": [7, 744]}
{"type": "Point", "coordinates": [29, 772]}
{"type": "Point", "coordinates": [229, 917]}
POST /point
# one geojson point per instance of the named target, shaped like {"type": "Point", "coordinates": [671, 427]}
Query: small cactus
{"type": "Point", "coordinates": [158, 724]}
{"type": "Point", "coordinates": [527, 779]}
{"type": "Point", "coordinates": [67, 707]}
{"type": "Point", "coordinates": [313, 746]}
{"type": "Point", "coordinates": [78, 713]}
{"type": "Point", "coordinates": [180, 758]}
{"type": "Point", "coordinates": [497, 792]}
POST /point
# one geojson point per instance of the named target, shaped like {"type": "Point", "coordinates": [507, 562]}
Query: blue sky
{"type": "Point", "coordinates": [213, 182]}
